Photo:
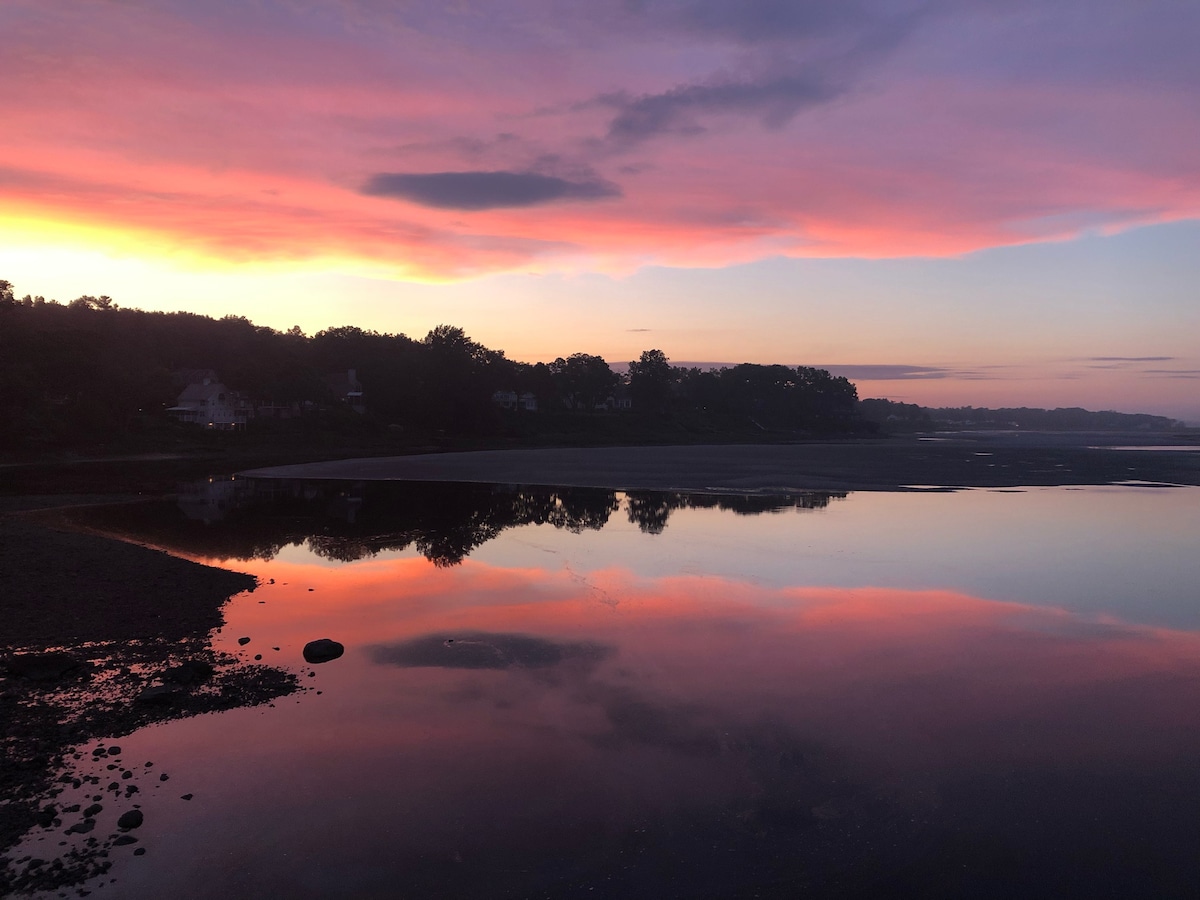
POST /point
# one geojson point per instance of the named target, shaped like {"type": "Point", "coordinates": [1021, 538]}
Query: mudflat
{"type": "Point", "coordinates": [960, 460]}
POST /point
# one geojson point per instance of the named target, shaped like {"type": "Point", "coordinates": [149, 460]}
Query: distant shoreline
{"type": "Point", "coordinates": [985, 459]}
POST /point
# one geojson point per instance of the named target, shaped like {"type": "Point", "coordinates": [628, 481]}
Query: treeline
{"type": "Point", "coordinates": [901, 417]}
{"type": "Point", "coordinates": [89, 371]}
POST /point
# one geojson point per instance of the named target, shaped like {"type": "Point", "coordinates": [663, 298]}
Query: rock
{"type": "Point", "coordinates": [82, 827]}
{"type": "Point", "coordinates": [159, 695]}
{"type": "Point", "coordinates": [189, 672]}
{"type": "Point", "coordinates": [322, 650]}
{"type": "Point", "coordinates": [140, 851]}
{"type": "Point", "coordinates": [41, 666]}
{"type": "Point", "coordinates": [187, 796]}
{"type": "Point", "coordinates": [114, 751]}
{"type": "Point", "coordinates": [92, 810]}
{"type": "Point", "coordinates": [243, 641]}
{"type": "Point", "coordinates": [124, 840]}
{"type": "Point", "coordinates": [163, 777]}
{"type": "Point", "coordinates": [131, 819]}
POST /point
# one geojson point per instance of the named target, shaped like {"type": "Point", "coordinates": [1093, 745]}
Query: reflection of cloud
{"type": "Point", "coordinates": [483, 650]}
{"type": "Point", "coordinates": [484, 190]}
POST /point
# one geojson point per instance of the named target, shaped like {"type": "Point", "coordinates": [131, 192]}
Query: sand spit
{"type": "Point", "coordinates": [984, 460]}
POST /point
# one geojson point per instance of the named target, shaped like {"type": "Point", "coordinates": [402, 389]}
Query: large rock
{"type": "Point", "coordinates": [322, 650]}
{"type": "Point", "coordinates": [131, 819]}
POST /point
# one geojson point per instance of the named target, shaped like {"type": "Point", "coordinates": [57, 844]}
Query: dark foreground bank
{"type": "Point", "coordinates": [99, 638]}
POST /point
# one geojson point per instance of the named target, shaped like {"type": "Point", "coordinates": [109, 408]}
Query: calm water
{"type": "Point", "coordinates": [586, 693]}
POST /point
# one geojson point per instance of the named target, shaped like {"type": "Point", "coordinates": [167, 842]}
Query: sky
{"type": "Point", "coordinates": [949, 201]}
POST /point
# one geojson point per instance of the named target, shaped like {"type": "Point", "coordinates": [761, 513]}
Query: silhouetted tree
{"type": "Point", "coordinates": [581, 380]}
{"type": "Point", "coordinates": [650, 379]}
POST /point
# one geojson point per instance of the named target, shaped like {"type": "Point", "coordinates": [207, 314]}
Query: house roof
{"type": "Point", "coordinates": [199, 393]}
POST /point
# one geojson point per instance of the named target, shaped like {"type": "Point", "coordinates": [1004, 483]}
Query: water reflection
{"type": "Point", "coordinates": [496, 732]}
{"type": "Point", "coordinates": [883, 698]}
{"type": "Point", "coordinates": [255, 518]}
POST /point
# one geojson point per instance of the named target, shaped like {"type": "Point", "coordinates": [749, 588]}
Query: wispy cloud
{"type": "Point", "coordinates": [1130, 359]}
{"type": "Point", "coordinates": [774, 100]}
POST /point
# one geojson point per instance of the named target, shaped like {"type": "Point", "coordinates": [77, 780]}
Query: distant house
{"type": "Point", "coordinates": [525, 402]}
{"type": "Point", "coordinates": [347, 390]}
{"type": "Point", "coordinates": [619, 400]}
{"type": "Point", "coordinates": [211, 405]}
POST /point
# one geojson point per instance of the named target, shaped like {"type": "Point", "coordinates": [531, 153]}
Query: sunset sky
{"type": "Point", "coordinates": [949, 201]}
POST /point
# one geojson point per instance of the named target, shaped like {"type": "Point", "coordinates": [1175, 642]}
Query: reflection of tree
{"type": "Point", "coordinates": [347, 521]}
{"type": "Point", "coordinates": [650, 510]}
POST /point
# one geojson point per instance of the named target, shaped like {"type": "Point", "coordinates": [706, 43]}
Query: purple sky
{"type": "Point", "coordinates": [1001, 199]}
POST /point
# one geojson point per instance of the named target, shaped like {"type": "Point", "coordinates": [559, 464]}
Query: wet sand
{"type": "Point", "coordinates": [975, 460]}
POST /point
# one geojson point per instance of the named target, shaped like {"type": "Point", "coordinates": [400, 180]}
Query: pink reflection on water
{"type": "Point", "coordinates": [618, 702]}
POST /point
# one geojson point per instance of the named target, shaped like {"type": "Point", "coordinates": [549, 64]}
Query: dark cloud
{"type": "Point", "coordinates": [775, 100]}
{"type": "Point", "coordinates": [485, 190]}
{"type": "Point", "coordinates": [1120, 359]}
{"type": "Point", "coordinates": [483, 650]}
{"type": "Point", "coordinates": [1188, 374]}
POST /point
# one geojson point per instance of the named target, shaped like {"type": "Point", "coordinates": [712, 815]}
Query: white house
{"type": "Point", "coordinates": [210, 404]}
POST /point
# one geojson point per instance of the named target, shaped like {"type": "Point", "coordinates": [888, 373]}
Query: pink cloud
{"type": "Point", "coordinates": [252, 136]}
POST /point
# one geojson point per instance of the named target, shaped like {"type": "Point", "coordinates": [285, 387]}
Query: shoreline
{"type": "Point", "coordinates": [982, 460]}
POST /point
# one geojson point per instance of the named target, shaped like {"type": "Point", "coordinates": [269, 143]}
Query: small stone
{"type": "Point", "coordinates": [114, 751]}
{"type": "Point", "coordinates": [187, 797]}
{"type": "Point", "coordinates": [82, 827]}
{"type": "Point", "coordinates": [131, 819]}
{"type": "Point", "coordinates": [243, 641]}
{"type": "Point", "coordinates": [140, 851]}
{"type": "Point", "coordinates": [257, 656]}
{"type": "Point", "coordinates": [164, 777]}
{"type": "Point", "coordinates": [114, 785]}
{"type": "Point", "coordinates": [126, 774]}
{"type": "Point", "coordinates": [93, 809]}
{"type": "Point", "coordinates": [124, 840]}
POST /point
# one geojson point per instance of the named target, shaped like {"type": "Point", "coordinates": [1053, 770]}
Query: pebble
{"type": "Point", "coordinates": [131, 819]}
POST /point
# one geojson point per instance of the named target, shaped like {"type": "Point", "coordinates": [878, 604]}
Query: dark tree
{"type": "Point", "coordinates": [581, 380]}
{"type": "Point", "coordinates": [650, 378]}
